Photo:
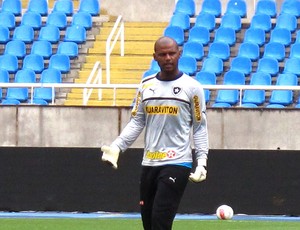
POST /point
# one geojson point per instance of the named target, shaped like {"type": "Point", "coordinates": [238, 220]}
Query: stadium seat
{"type": "Point", "coordinates": [64, 6]}
{"type": "Point", "coordinates": [186, 7]}
{"type": "Point", "coordinates": [10, 102]}
{"type": "Point", "coordinates": [49, 33]}
{"type": "Point", "coordinates": [194, 50]}
{"type": "Point", "coordinates": [34, 62]}
{"type": "Point", "coordinates": [221, 105]}
{"type": "Point", "coordinates": [275, 106]}
{"type": "Point", "coordinates": [154, 66]}
{"type": "Point", "coordinates": [22, 76]}
{"type": "Point", "coordinates": [89, 6]}
{"type": "Point", "coordinates": [9, 62]}
{"type": "Point", "coordinates": [38, 6]}
{"type": "Point", "coordinates": [231, 20]}
{"type": "Point", "coordinates": [60, 62]}
{"type": "Point", "coordinates": [241, 64]}
{"type": "Point", "coordinates": [238, 7]}
{"type": "Point", "coordinates": [68, 48]}
{"type": "Point", "coordinates": [38, 101]}
{"type": "Point", "coordinates": [261, 21]}
{"type": "Point", "coordinates": [284, 97]}
{"type": "Point", "coordinates": [4, 35]}
{"type": "Point", "coordinates": [176, 33]}
{"type": "Point", "coordinates": [255, 35]}
{"type": "Point", "coordinates": [286, 21]}
{"type": "Point", "coordinates": [268, 7]}
{"type": "Point", "coordinates": [281, 35]}
{"type": "Point", "coordinates": [58, 19]}
{"type": "Point", "coordinates": [4, 78]}
{"type": "Point", "coordinates": [212, 7]}
{"type": "Point", "coordinates": [200, 35]}
{"type": "Point", "coordinates": [290, 7]}
{"type": "Point", "coordinates": [268, 65]}
{"type": "Point", "coordinates": [275, 50]}
{"type": "Point", "coordinates": [75, 34]}
{"type": "Point", "coordinates": [148, 73]}
{"type": "Point", "coordinates": [12, 6]}
{"type": "Point", "coordinates": [42, 47]}
{"type": "Point", "coordinates": [248, 105]}
{"type": "Point", "coordinates": [32, 19]}
{"type": "Point", "coordinates": [295, 50]}
{"type": "Point", "coordinates": [206, 78]}
{"type": "Point", "coordinates": [292, 65]}
{"type": "Point", "coordinates": [230, 96]}
{"type": "Point", "coordinates": [225, 35]}
{"type": "Point", "coordinates": [206, 20]}
{"type": "Point", "coordinates": [213, 64]}
{"type": "Point", "coordinates": [181, 20]}
{"type": "Point", "coordinates": [7, 19]}
{"type": "Point", "coordinates": [24, 33]}
{"type": "Point", "coordinates": [16, 48]}
{"type": "Point", "coordinates": [187, 65]}
{"type": "Point", "coordinates": [83, 19]}
{"type": "Point", "coordinates": [249, 50]}
{"type": "Point", "coordinates": [220, 50]}
{"type": "Point", "coordinates": [297, 40]}
{"type": "Point", "coordinates": [257, 96]}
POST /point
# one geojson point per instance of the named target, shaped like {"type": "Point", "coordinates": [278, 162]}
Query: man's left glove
{"type": "Point", "coordinates": [111, 155]}
{"type": "Point", "coordinates": [200, 172]}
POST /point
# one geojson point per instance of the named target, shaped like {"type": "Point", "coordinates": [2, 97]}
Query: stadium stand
{"type": "Point", "coordinates": [34, 62]}
{"type": "Point", "coordinates": [89, 6]}
{"type": "Point", "coordinates": [238, 7]}
{"type": "Point", "coordinates": [58, 19]}
{"type": "Point", "coordinates": [231, 20]}
{"type": "Point", "coordinates": [249, 50]}
{"type": "Point", "coordinates": [206, 20]}
{"type": "Point", "coordinates": [42, 47]}
{"type": "Point", "coordinates": [188, 65]}
{"type": "Point", "coordinates": [38, 6]}
{"type": "Point", "coordinates": [64, 6]}
{"type": "Point", "coordinates": [199, 34]}
{"type": "Point", "coordinates": [290, 7]}
{"type": "Point", "coordinates": [24, 33]}
{"type": "Point", "coordinates": [7, 19]}
{"type": "Point", "coordinates": [193, 49]}
{"type": "Point", "coordinates": [186, 7]}
{"type": "Point", "coordinates": [49, 33]}
{"type": "Point", "coordinates": [268, 7]}
{"type": "Point", "coordinates": [4, 35]}
{"type": "Point", "coordinates": [212, 7]}
{"type": "Point", "coordinates": [181, 20]}
{"type": "Point", "coordinates": [220, 50]}
{"type": "Point", "coordinates": [9, 62]}
{"type": "Point", "coordinates": [16, 48]}
{"type": "Point", "coordinates": [32, 19]}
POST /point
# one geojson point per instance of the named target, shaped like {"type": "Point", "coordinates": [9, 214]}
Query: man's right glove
{"type": "Point", "coordinates": [111, 155]}
{"type": "Point", "coordinates": [200, 172]}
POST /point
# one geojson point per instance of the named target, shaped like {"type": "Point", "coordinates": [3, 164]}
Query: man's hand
{"type": "Point", "coordinates": [110, 155]}
{"type": "Point", "coordinates": [200, 172]}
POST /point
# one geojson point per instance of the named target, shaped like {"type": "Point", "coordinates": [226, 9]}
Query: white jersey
{"type": "Point", "coordinates": [172, 112]}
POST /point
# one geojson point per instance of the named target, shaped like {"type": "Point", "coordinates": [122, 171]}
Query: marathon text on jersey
{"type": "Point", "coordinates": [170, 110]}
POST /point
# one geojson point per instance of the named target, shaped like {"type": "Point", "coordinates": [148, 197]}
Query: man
{"type": "Point", "coordinates": [170, 106]}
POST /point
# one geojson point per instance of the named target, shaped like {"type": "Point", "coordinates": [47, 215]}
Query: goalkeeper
{"type": "Point", "coordinates": [170, 105]}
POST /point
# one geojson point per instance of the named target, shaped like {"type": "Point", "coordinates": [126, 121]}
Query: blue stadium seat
{"type": "Point", "coordinates": [10, 102]}
{"type": "Point", "coordinates": [286, 21]}
{"type": "Point", "coordinates": [221, 105]}
{"type": "Point", "coordinates": [38, 6]}
{"type": "Point", "coordinates": [284, 97]}
{"type": "Point", "coordinates": [68, 48]}
{"type": "Point", "coordinates": [231, 20]}
{"type": "Point", "coordinates": [230, 96]}
{"type": "Point", "coordinates": [295, 50]}
{"type": "Point", "coordinates": [60, 62]}
{"type": "Point", "coordinates": [58, 19]}
{"type": "Point", "coordinates": [34, 62]}
{"type": "Point", "coordinates": [249, 50]}
{"type": "Point", "coordinates": [24, 33]}
{"type": "Point", "coordinates": [42, 47]}
{"type": "Point", "coordinates": [275, 50]}
{"type": "Point", "coordinates": [148, 73]}
{"type": "Point", "coordinates": [186, 7]}
{"type": "Point", "coordinates": [292, 65]}
{"type": "Point", "coordinates": [4, 78]}
{"type": "Point", "coordinates": [238, 7]}
{"type": "Point", "coordinates": [268, 65]}
{"type": "Point", "coordinates": [256, 96]}
{"type": "Point", "coordinates": [193, 49]}
{"type": "Point", "coordinates": [176, 33]}
{"type": "Point", "coordinates": [225, 35]}
{"type": "Point", "coordinates": [275, 106]}
{"type": "Point", "coordinates": [213, 64]}
{"type": "Point", "coordinates": [64, 6]}
{"type": "Point", "coordinates": [268, 7]}
{"type": "Point", "coordinates": [90, 6]}
{"type": "Point", "coordinates": [200, 35]}
{"type": "Point", "coordinates": [7, 19]}
{"type": "Point", "coordinates": [255, 35]}
{"type": "Point", "coordinates": [16, 48]}
{"type": "Point", "coordinates": [212, 7]}
{"type": "Point", "coordinates": [12, 6]}
{"type": "Point", "coordinates": [49, 33]}
{"type": "Point", "coordinates": [220, 50]}
{"type": "Point", "coordinates": [32, 19]}
{"type": "Point", "coordinates": [249, 105]}
{"type": "Point", "coordinates": [206, 20]}
{"type": "Point", "coordinates": [290, 7]}
{"type": "Point", "coordinates": [38, 101]}
{"type": "Point", "coordinates": [206, 78]}
{"type": "Point", "coordinates": [22, 76]}
{"type": "Point", "coordinates": [4, 35]}
{"type": "Point", "coordinates": [281, 35]}
{"type": "Point", "coordinates": [154, 66]}
{"type": "Point", "coordinates": [83, 19]}
{"type": "Point", "coordinates": [181, 20]}
{"type": "Point", "coordinates": [9, 62]}
{"type": "Point", "coordinates": [75, 34]}
{"type": "Point", "coordinates": [241, 64]}
{"type": "Point", "coordinates": [187, 65]}
{"type": "Point", "coordinates": [261, 21]}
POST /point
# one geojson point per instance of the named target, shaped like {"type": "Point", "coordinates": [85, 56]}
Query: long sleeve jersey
{"type": "Point", "coordinates": [173, 115]}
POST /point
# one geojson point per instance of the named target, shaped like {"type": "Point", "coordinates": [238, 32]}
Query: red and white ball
{"type": "Point", "coordinates": [224, 212]}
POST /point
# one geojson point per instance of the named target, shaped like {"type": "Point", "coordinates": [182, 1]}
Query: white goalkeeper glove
{"type": "Point", "coordinates": [111, 155]}
{"type": "Point", "coordinates": [200, 172]}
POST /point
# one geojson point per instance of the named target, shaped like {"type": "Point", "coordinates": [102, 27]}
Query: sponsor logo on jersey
{"type": "Point", "coordinates": [136, 105]}
{"type": "Point", "coordinates": [170, 110]}
{"type": "Point", "coordinates": [176, 90]}
{"type": "Point", "coordinates": [160, 155]}
{"type": "Point", "coordinates": [197, 108]}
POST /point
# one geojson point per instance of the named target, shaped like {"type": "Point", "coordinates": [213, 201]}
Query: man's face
{"type": "Point", "coordinates": [167, 56]}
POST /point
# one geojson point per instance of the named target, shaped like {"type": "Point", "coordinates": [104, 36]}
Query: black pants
{"type": "Point", "coordinates": [161, 189]}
